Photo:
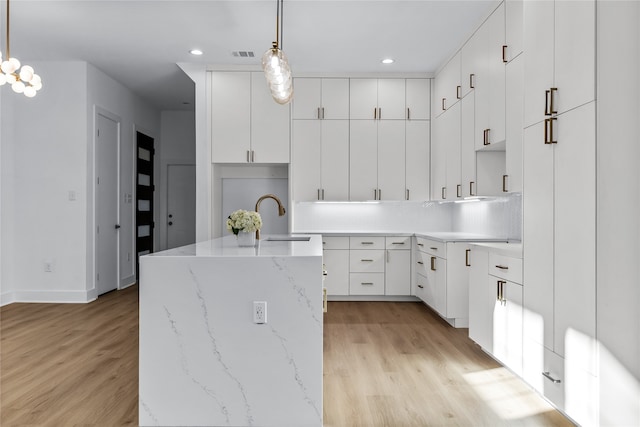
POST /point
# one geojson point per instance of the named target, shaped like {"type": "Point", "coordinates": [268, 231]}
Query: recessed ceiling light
{"type": "Point", "coordinates": [387, 61]}
{"type": "Point", "coordinates": [196, 52]}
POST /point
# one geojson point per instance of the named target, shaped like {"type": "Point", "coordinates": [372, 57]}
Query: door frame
{"type": "Point", "coordinates": [99, 111]}
{"type": "Point", "coordinates": [134, 205]}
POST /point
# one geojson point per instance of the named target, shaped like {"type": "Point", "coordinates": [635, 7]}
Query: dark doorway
{"type": "Point", "coordinates": [144, 198]}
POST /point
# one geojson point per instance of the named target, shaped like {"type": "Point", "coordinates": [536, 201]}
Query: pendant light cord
{"type": "Point", "coordinates": [279, 23]}
{"type": "Point", "coordinates": [8, 51]}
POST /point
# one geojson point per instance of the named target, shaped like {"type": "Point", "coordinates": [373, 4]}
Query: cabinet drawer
{"type": "Point", "coordinates": [432, 247]}
{"type": "Point", "coordinates": [425, 263]}
{"type": "Point", "coordinates": [363, 261]}
{"type": "Point", "coordinates": [420, 286]}
{"type": "Point", "coordinates": [366, 242]}
{"type": "Point", "coordinates": [400, 242]}
{"type": "Point", "coordinates": [335, 242]}
{"type": "Point", "coordinates": [366, 284]}
{"type": "Point", "coordinates": [505, 267]}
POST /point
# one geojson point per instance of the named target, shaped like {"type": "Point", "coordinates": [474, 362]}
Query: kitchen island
{"type": "Point", "coordinates": [203, 359]}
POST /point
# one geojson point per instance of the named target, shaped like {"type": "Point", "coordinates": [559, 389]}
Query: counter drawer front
{"type": "Point", "coordinates": [335, 242]}
{"type": "Point", "coordinates": [403, 242]}
{"type": "Point", "coordinates": [366, 284]}
{"type": "Point", "coordinates": [504, 267]}
{"type": "Point", "coordinates": [362, 261]}
{"type": "Point", "coordinates": [423, 262]}
{"type": "Point", "coordinates": [366, 242]}
{"type": "Point", "coordinates": [420, 287]}
{"type": "Point", "coordinates": [432, 247]}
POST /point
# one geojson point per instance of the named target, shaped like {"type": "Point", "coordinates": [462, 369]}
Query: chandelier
{"type": "Point", "coordinates": [275, 65]}
{"type": "Point", "coordinates": [22, 80]}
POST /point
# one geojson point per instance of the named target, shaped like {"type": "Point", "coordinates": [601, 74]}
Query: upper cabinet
{"type": "Point", "coordinates": [321, 98]}
{"type": "Point", "coordinates": [447, 90]}
{"type": "Point", "coordinates": [513, 29]}
{"type": "Point", "coordinates": [247, 126]}
{"type": "Point", "coordinates": [559, 69]}
{"type": "Point", "coordinates": [418, 99]}
{"type": "Point", "coordinates": [377, 99]}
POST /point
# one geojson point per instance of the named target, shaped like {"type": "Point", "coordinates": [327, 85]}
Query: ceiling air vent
{"type": "Point", "coordinates": [243, 53]}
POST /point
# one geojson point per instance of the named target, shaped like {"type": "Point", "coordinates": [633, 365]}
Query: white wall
{"type": "Point", "coordinates": [46, 153]}
{"type": "Point", "coordinates": [178, 147]}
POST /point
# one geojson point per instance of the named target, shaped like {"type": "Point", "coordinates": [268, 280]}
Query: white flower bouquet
{"type": "Point", "coordinates": [245, 221]}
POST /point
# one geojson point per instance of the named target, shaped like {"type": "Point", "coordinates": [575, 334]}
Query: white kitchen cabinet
{"type": "Point", "coordinates": [481, 302]}
{"type": "Point", "coordinates": [321, 98]}
{"type": "Point", "coordinates": [438, 159]}
{"type": "Point", "coordinates": [467, 146]}
{"type": "Point", "coordinates": [377, 160]}
{"type": "Point", "coordinates": [397, 274]}
{"type": "Point", "coordinates": [247, 126]}
{"type": "Point", "coordinates": [447, 86]}
{"type": "Point", "coordinates": [473, 59]}
{"type": "Point", "coordinates": [514, 125]}
{"type": "Point", "coordinates": [513, 28]}
{"type": "Point", "coordinates": [320, 160]}
{"type": "Point", "coordinates": [366, 265]}
{"type": "Point", "coordinates": [336, 260]}
{"type": "Point", "coordinates": [417, 164]}
{"type": "Point", "coordinates": [377, 99]}
{"type": "Point", "coordinates": [451, 128]}
{"type": "Point", "coordinates": [559, 68]}
{"type": "Point", "coordinates": [418, 99]}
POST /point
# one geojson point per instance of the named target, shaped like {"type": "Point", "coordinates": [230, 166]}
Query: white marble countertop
{"type": "Point", "coordinates": [228, 247]}
{"type": "Point", "coordinates": [508, 249]}
{"type": "Point", "coordinates": [446, 236]}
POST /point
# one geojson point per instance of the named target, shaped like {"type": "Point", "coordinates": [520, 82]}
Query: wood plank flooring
{"type": "Point", "coordinates": [385, 364]}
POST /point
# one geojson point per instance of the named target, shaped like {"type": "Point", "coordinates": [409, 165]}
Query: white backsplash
{"type": "Point", "coordinates": [499, 217]}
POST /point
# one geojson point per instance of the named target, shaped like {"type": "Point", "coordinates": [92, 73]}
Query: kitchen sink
{"type": "Point", "coordinates": [288, 238]}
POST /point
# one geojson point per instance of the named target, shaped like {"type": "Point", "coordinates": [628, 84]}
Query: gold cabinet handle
{"type": "Point", "coordinates": [466, 257]}
{"type": "Point", "coordinates": [553, 90]}
{"type": "Point", "coordinates": [444, 192]}
{"type": "Point", "coordinates": [375, 114]}
{"type": "Point", "coordinates": [408, 114]}
{"type": "Point", "coordinates": [324, 300]}
{"type": "Point", "coordinates": [472, 83]}
{"type": "Point", "coordinates": [504, 183]}
{"type": "Point", "coordinates": [459, 92]}
{"type": "Point", "coordinates": [504, 53]}
{"type": "Point", "coordinates": [443, 104]}
{"type": "Point", "coordinates": [253, 156]}
{"type": "Point", "coordinates": [471, 189]}
{"type": "Point", "coordinates": [458, 190]}
{"type": "Point", "coordinates": [433, 263]}
{"type": "Point", "coordinates": [323, 113]}
{"type": "Point", "coordinates": [486, 137]}
{"type": "Point", "coordinates": [547, 112]}
{"type": "Point", "coordinates": [379, 113]}
{"type": "Point", "coordinates": [548, 131]}
{"type": "Point", "coordinates": [248, 157]}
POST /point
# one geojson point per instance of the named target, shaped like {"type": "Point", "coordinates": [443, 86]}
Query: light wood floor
{"type": "Point", "coordinates": [385, 364]}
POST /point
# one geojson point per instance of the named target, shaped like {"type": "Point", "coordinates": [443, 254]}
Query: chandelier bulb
{"type": "Point", "coordinates": [18, 87]}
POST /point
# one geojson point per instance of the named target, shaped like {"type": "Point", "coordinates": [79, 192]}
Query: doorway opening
{"type": "Point", "coordinates": [144, 197]}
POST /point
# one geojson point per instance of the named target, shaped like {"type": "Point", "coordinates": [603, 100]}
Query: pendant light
{"type": "Point", "coordinates": [22, 80]}
{"type": "Point", "coordinates": [275, 65]}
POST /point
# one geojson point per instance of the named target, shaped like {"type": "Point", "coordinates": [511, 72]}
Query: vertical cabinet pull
{"type": "Point", "coordinates": [407, 194]}
{"type": "Point", "coordinates": [458, 190]}
{"type": "Point", "coordinates": [548, 131]}
{"type": "Point", "coordinates": [547, 111]}
{"type": "Point", "coordinates": [504, 53]}
{"type": "Point", "coordinates": [466, 257]}
{"type": "Point", "coordinates": [375, 113]}
{"type": "Point", "coordinates": [472, 83]}
{"type": "Point", "coordinates": [471, 188]}
{"type": "Point", "coordinates": [408, 114]}
{"type": "Point", "coordinates": [549, 104]}
{"type": "Point", "coordinates": [322, 109]}
{"type": "Point", "coordinates": [387, 256]}
{"type": "Point", "coordinates": [319, 194]}
{"type": "Point", "coordinates": [444, 192]}
{"type": "Point", "coordinates": [318, 113]}
{"type": "Point", "coordinates": [324, 300]}
{"type": "Point", "coordinates": [433, 263]}
{"type": "Point", "coordinates": [248, 157]}
{"type": "Point", "coordinates": [485, 140]}
{"type": "Point", "coordinates": [504, 183]}
{"type": "Point", "coordinates": [459, 92]}
{"type": "Point", "coordinates": [253, 156]}
{"type": "Point", "coordinates": [323, 194]}
{"type": "Point", "coordinates": [443, 104]}
{"type": "Point", "coordinates": [500, 292]}
{"type": "Point", "coordinates": [375, 194]}
{"type": "Point", "coordinates": [552, 106]}
{"type": "Point", "coordinates": [379, 194]}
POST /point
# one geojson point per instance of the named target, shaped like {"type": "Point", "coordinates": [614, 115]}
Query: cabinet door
{"type": "Point", "coordinates": [473, 56]}
{"type": "Point", "coordinates": [437, 281]}
{"type": "Point", "coordinates": [270, 123]}
{"type": "Point", "coordinates": [363, 160]}
{"type": "Point", "coordinates": [337, 279]}
{"type": "Point", "coordinates": [538, 236]}
{"type": "Point", "coordinates": [482, 85]}
{"type": "Point", "coordinates": [335, 99]}
{"type": "Point", "coordinates": [467, 146]}
{"type": "Point", "coordinates": [538, 61]}
{"type": "Point", "coordinates": [306, 102]}
{"type": "Point", "coordinates": [417, 159]}
{"type": "Point", "coordinates": [507, 323]}
{"type": "Point", "coordinates": [447, 86]}
{"type": "Point", "coordinates": [398, 272]}
{"type": "Point", "coordinates": [438, 160]}
{"type": "Point", "coordinates": [457, 283]}
{"type": "Point", "coordinates": [391, 160]}
{"type": "Point", "coordinates": [514, 110]}
{"type": "Point", "coordinates": [230, 117]}
{"type": "Point", "coordinates": [575, 28]}
{"type": "Point", "coordinates": [496, 75]}
{"type": "Point", "coordinates": [391, 99]}
{"type": "Point", "coordinates": [305, 167]}
{"type": "Point", "coordinates": [481, 302]}
{"type": "Point", "coordinates": [418, 99]}
{"type": "Point", "coordinates": [513, 28]}
{"type": "Point", "coordinates": [575, 228]}
{"type": "Point", "coordinates": [335, 160]}
{"type": "Point", "coordinates": [363, 99]}
{"type": "Point", "coordinates": [452, 142]}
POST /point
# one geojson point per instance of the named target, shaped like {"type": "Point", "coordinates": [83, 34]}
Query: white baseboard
{"type": "Point", "coordinates": [127, 281]}
{"type": "Point", "coordinates": [6, 298]}
{"type": "Point", "coordinates": [48, 296]}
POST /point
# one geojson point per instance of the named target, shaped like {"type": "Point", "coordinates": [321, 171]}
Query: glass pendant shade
{"type": "Point", "coordinates": [278, 74]}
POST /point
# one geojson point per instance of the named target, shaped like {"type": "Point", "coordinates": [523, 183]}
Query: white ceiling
{"type": "Point", "coordinates": [139, 42]}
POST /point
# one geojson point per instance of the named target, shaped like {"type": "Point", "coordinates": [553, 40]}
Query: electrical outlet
{"type": "Point", "coordinates": [259, 312]}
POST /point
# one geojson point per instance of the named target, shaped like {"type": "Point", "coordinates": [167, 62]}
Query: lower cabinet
{"type": "Point", "coordinates": [367, 265]}
{"type": "Point", "coordinates": [441, 278]}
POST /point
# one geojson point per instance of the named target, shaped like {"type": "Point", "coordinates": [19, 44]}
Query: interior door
{"type": "Point", "coordinates": [144, 197]}
{"type": "Point", "coordinates": [107, 139]}
{"type": "Point", "coordinates": [181, 205]}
